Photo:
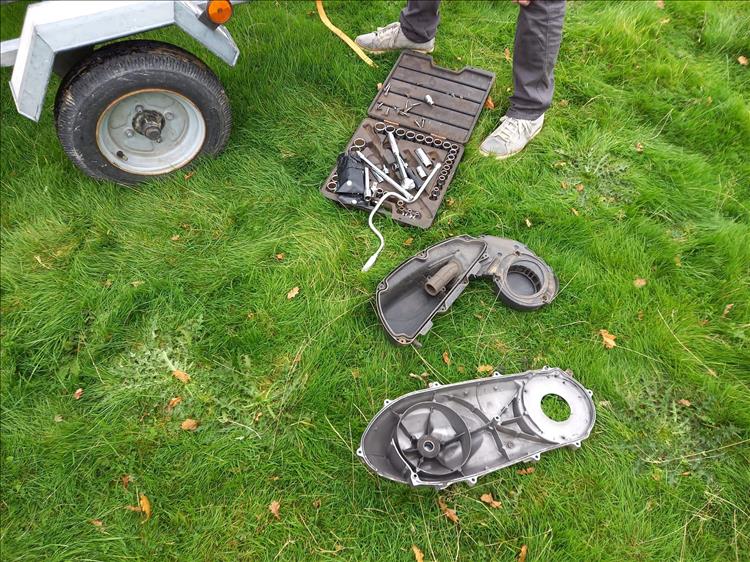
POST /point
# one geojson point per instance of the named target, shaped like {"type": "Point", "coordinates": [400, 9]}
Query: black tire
{"type": "Point", "coordinates": [122, 69]}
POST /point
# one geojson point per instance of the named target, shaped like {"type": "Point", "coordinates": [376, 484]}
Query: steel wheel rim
{"type": "Point", "coordinates": [182, 135]}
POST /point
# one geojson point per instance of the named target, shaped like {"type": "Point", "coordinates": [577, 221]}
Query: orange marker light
{"type": "Point", "coordinates": [219, 11]}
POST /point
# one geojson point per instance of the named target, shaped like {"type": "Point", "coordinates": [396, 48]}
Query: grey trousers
{"type": "Point", "coordinates": [538, 36]}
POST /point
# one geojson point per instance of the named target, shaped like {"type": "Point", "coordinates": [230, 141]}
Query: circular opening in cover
{"type": "Point", "coordinates": [555, 407]}
{"type": "Point", "coordinates": [523, 281]}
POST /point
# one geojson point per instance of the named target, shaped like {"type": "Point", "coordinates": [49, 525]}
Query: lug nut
{"type": "Point", "coordinates": [169, 115]}
{"type": "Point", "coordinates": [129, 133]}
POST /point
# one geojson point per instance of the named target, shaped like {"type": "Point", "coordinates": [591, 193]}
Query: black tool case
{"type": "Point", "coordinates": [441, 129]}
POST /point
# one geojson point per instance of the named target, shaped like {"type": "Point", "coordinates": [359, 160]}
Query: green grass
{"type": "Point", "coordinates": [283, 388]}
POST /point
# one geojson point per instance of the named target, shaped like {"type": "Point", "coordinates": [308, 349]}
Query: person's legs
{"type": "Point", "coordinates": [538, 37]}
{"type": "Point", "coordinates": [419, 20]}
{"type": "Point", "coordinates": [415, 30]}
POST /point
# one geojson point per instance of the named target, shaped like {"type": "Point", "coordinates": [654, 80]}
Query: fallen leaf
{"type": "Point", "coordinates": [125, 479]}
{"type": "Point", "coordinates": [488, 103]}
{"type": "Point", "coordinates": [58, 418]}
{"type": "Point", "coordinates": [280, 256]}
{"type": "Point", "coordinates": [727, 309]}
{"type": "Point", "coordinates": [189, 424]}
{"type": "Point", "coordinates": [489, 500]}
{"type": "Point", "coordinates": [686, 473]}
{"type": "Point", "coordinates": [507, 55]}
{"type": "Point", "coordinates": [380, 86]}
{"type": "Point", "coordinates": [134, 508]}
{"type": "Point", "coordinates": [181, 376]}
{"type": "Point", "coordinates": [742, 59]}
{"type": "Point", "coordinates": [447, 511]}
{"type": "Point", "coordinates": [638, 147]}
{"type": "Point", "coordinates": [136, 283]}
{"type": "Point", "coordinates": [608, 339]}
{"type": "Point", "coordinates": [257, 416]}
{"type": "Point", "coordinates": [408, 241]}
{"type": "Point", "coordinates": [485, 369]}
{"type": "Point", "coordinates": [173, 402]}
{"type": "Point", "coordinates": [703, 322]}
{"type": "Point", "coordinates": [274, 507]}
{"type": "Point", "coordinates": [640, 315]}
{"type": "Point", "coordinates": [145, 507]}
{"type": "Point", "coordinates": [659, 4]}
{"type": "Point", "coordinates": [523, 553]}
{"type": "Point", "coordinates": [574, 211]}
{"type": "Point", "coordinates": [528, 222]}
{"type": "Point", "coordinates": [564, 184]}
{"type": "Point", "coordinates": [526, 471]}
{"type": "Point", "coordinates": [579, 187]}
{"type": "Point", "coordinates": [639, 283]}
{"type": "Point", "coordinates": [78, 393]}
{"type": "Point", "coordinates": [450, 201]}
{"type": "Point", "coordinates": [175, 238]}
{"type": "Point", "coordinates": [446, 358]}
{"type": "Point", "coordinates": [293, 293]}
{"type": "Point", "coordinates": [418, 554]}
{"type": "Point", "coordinates": [316, 503]}
{"type": "Point", "coordinates": [189, 175]}
{"type": "Point", "coordinates": [97, 522]}
{"type": "Point", "coordinates": [684, 402]}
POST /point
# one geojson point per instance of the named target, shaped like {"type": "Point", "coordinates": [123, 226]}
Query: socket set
{"type": "Point", "coordinates": [417, 127]}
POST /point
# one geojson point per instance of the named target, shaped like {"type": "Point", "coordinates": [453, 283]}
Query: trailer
{"type": "Point", "coordinates": [126, 109]}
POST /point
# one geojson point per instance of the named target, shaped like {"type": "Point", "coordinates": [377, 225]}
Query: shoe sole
{"type": "Point", "coordinates": [506, 156]}
{"type": "Point", "coordinates": [371, 52]}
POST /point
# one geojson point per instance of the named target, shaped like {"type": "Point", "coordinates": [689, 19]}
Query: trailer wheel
{"type": "Point", "coordinates": [138, 109]}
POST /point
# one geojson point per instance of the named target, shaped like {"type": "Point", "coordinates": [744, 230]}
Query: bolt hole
{"type": "Point", "coordinates": [121, 155]}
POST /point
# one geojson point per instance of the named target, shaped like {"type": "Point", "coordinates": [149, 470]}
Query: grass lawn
{"type": "Point", "coordinates": [110, 289]}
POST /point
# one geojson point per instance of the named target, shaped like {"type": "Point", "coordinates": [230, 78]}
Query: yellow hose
{"type": "Point", "coordinates": [343, 36]}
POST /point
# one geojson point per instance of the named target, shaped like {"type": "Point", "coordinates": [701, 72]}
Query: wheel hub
{"type": "Point", "coordinates": [149, 123]}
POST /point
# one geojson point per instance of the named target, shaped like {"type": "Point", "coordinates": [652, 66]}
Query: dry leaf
{"type": "Point", "coordinates": [489, 500]}
{"type": "Point", "coordinates": [293, 293]}
{"type": "Point", "coordinates": [418, 554]}
{"type": "Point", "coordinates": [446, 358]}
{"type": "Point", "coordinates": [639, 283]}
{"type": "Point", "coordinates": [526, 471]}
{"type": "Point", "coordinates": [742, 59]}
{"type": "Point", "coordinates": [638, 147]}
{"type": "Point", "coordinates": [189, 175]}
{"type": "Point", "coordinates": [684, 402]}
{"type": "Point", "coordinates": [506, 53]}
{"type": "Point", "coordinates": [448, 512]}
{"type": "Point", "coordinates": [659, 4]}
{"type": "Point", "coordinates": [727, 309]}
{"type": "Point", "coordinates": [78, 393]}
{"type": "Point", "coordinates": [574, 211]}
{"type": "Point", "coordinates": [145, 507]}
{"type": "Point", "coordinates": [274, 507]}
{"type": "Point", "coordinates": [564, 184]}
{"type": "Point", "coordinates": [528, 222]}
{"type": "Point", "coordinates": [125, 479]}
{"type": "Point", "coordinates": [189, 424]}
{"type": "Point", "coordinates": [488, 103]}
{"type": "Point", "coordinates": [380, 85]}
{"type": "Point", "coordinates": [485, 369]}
{"type": "Point", "coordinates": [279, 256]}
{"type": "Point", "coordinates": [175, 238]}
{"type": "Point", "coordinates": [450, 201]}
{"type": "Point", "coordinates": [523, 553]}
{"type": "Point", "coordinates": [640, 315]}
{"type": "Point", "coordinates": [181, 376]}
{"type": "Point", "coordinates": [703, 322]}
{"type": "Point", "coordinates": [97, 522]}
{"type": "Point", "coordinates": [173, 402]}
{"type": "Point", "coordinates": [316, 503]}
{"type": "Point", "coordinates": [579, 187]}
{"type": "Point", "coordinates": [608, 339]}
{"type": "Point", "coordinates": [135, 508]}
{"type": "Point", "coordinates": [58, 418]}
{"type": "Point", "coordinates": [136, 283]}
{"type": "Point", "coordinates": [408, 241]}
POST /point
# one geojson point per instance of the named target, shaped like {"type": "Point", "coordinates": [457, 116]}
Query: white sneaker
{"type": "Point", "coordinates": [391, 38]}
{"type": "Point", "coordinates": [510, 137]}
